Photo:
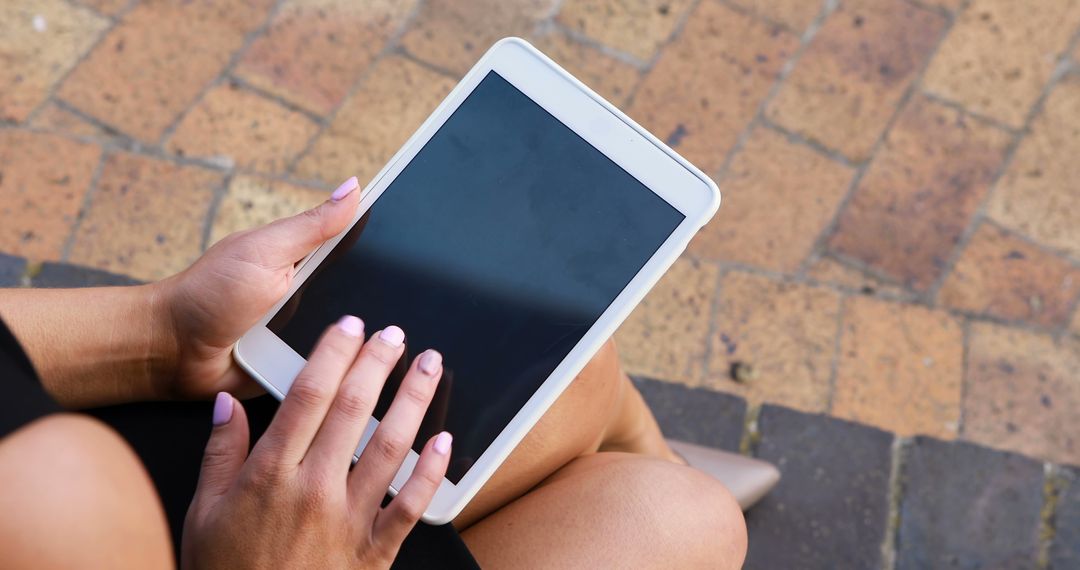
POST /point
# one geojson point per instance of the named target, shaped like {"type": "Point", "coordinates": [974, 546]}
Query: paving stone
{"type": "Point", "coordinates": [1022, 392]}
{"type": "Point", "coordinates": [107, 7]}
{"type": "Point", "coordinates": [609, 76]}
{"type": "Point", "coordinates": [774, 341]}
{"type": "Point", "coordinates": [778, 198]}
{"type": "Point", "coordinates": [920, 192]}
{"type": "Point", "coordinates": [638, 28]}
{"type": "Point", "coordinates": [123, 231]}
{"type": "Point", "coordinates": [54, 118]}
{"type": "Point", "coordinates": [1000, 54]}
{"type": "Point", "coordinates": [665, 336]}
{"type": "Point", "coordinates": [830, 508]}
{"type": "Point", "coordinates": [453, 34]}
{"type": "Point", "coordinates": [314, 52]}
{"type": "Point", "coordinates": [968, 507]}
{"type": "Point", "coordinates": [1003, 276]}
{"type": "Point", "coordinates": [847, 84]}
{"type": "Point", "coordinates": [831, 271]}
{"type": "Point", "coordinates": [1075, 327]}
{"type": "Point", "coordinates": [67, 275]}
{"type": "Point", "coordinates": [253, 201]}
{"type": "Point", "coordinates": [144, 74]}
{"type": "Point", "coordinates": [708, 84]}
{"type": "Point", "coordinates": [238, 127]}
{"type": "Point", "coordinates": [1065, 547]}
{"type": "Point", "coordinates": [42, 196]}
{"type": "Point", "coordinates": [371, 126]}
{"type": "Point", "coordinates": [1037, 194]}
{"type": "Point", "coordinates": [795, 14]}
{"type": "Point", "coordinates": [695, 415]}
{"type": "Point", "coordinates": [40, 41]}
{"type": "Point", "coordinates": [900, 368]}
{"type": "Point", "coordinates": [12, 269]}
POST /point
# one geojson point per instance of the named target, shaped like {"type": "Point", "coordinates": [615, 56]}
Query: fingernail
{"type": "Point", "coordinates": [393, 335]}
{"type": "Point", "coordinates": [345, 189]}
{"type": "Point", "coordinates": [430, 361]}
{"type": "Point", "coordinates": [442, 443]}
{"type": "Point", "coordinates": [351, 326]}
{"type": "Point", "coordinates": [223, 406]}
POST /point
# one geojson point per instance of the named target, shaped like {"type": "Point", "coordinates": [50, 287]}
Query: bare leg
{"type": "Point", "coordinates": [615, 510]}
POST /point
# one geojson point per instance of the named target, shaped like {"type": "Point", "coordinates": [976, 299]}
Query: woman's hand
{"type": "Point", "coordinates": [293, 502]}
{"type": "Point", "coordinates": [225, 292]}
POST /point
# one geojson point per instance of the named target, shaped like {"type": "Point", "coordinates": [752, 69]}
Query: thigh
{"type": "Point", "coordinates": [615, 510]}
{"type": "Point", "coordinates": [573, 426]}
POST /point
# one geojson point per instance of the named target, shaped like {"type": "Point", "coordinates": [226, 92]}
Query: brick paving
{"type": "Point", "coordinates": [895, 268]}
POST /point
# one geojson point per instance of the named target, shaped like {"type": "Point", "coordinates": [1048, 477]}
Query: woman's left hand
{"type": "Point", "coordinates": [209, 305]}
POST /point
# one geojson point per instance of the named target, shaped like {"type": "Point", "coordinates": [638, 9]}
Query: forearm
{"type": "Point", "coordinates": [94, 346]}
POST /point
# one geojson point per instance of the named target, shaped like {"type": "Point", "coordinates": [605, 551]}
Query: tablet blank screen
{"type": "Point", "coordinates": [499, 245]}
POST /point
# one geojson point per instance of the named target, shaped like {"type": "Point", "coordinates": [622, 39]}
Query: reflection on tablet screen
{"type": "Point", "coordinates": [499, 245]}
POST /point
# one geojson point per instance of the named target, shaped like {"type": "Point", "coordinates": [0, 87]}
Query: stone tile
{"type": "Point", "coordinates": [778, 338]}
{"type": "Point", "coordinates": [1065, 547]}
{"type": "Point", "coordinates": [665, 336]}
{"type": "Point", "coordinates": [238, 127]}
{"type": "Point", "coordinates": [1003, 276]}
{"type": "Point", "coordinates": [390, 105]}
{"type": "Point", "coordinates": [12, 269]}
{"type": "Point", "coordinates": [795, 14]}
{"type": "Point", "coordinates": [253, 201]}
{"type": "Point", "coordinates": [144, 74]}
{"type": "Point", "coordinates": [1022, 392]}
{"type": "Point", "coordinates": [1000, 54]}
{"type": "Point", "coordinates": [965, 506]}
{"type": "Point", "coordinates": [830, 508]}
{"type": "Point", "coordinates": [40, 41]}
{"type": "Point", "coordinates": [54, 118]}
{"type": "Point", "coordinates": [846, 85]}
{"type": "Point", "coordinates": [638, 28]}
{"type": "Point", "coordinates": [107, 7]}
{"type": "Point", "coordinates": [920, 192]}
{"type": "Point", "coordinates": [708, 84]}
{"type": "Point", "coordinates": [314, 52]}
{"type": "Point", "coordinates": [65, 275]}
{"type": "Point", "coordinates": [1075, 327]}
{"type": "Point", "coordinates": [147, 217]}
{"type": "Point", "coordinates": [453, 34]}
{"type": "Point", "coordinates": [900, 368]}
{"type": "Point", "coordinates": [778, 198]}
{"type": "Point", "coordinates": [42, 196]}
{"type": "Point", "coordinates": [611, 77]}
{"type": "Point", "coordinates": [831, 271]}
{"type": "Point", "coordinates": [1037, 195]}
{"type": "Point", "coordinates": [695, 415]}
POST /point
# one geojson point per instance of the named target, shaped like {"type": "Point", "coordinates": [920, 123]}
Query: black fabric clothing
{"type": "Point", "coordinates": [169, 437]}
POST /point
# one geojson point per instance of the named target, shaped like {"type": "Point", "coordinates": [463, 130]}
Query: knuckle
{"type": "Point", "coordinates": [335, 347]}
{"type": "Point", "coordinates": [415, 394]}
{"type": "Point", "coordinates": [390, 448]}
{"type": "Point", "coordinates": [307, 392]}
{"type": "Point", "coordinates": [384, 355]}
{"type": "Point", "coordinates": [411, 508]}
{"type": "Point", "coordinates": [353, 403]}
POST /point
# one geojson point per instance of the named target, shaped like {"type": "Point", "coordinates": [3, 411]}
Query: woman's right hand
{"type": "Point", "coordinates": [293, 502]}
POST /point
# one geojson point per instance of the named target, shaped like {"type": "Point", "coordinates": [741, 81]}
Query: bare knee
{"type": "Point", "coordinates": [83, 497]}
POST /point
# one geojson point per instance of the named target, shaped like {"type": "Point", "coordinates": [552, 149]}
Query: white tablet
{"type": "Point", "coordinates": [513, 232]}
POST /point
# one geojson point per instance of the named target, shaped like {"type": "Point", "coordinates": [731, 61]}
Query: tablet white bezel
{"type": "Point", "coordinates": [274, 364]}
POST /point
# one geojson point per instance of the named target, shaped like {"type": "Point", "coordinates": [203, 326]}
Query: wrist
{"type": "Point", "coordinates": [162, 339]}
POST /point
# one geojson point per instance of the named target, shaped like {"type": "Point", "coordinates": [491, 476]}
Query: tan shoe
{"type": "Point", "coordinates": [747, 478]}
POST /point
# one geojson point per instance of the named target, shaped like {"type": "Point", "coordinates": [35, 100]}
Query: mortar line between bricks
{"type": "Point", "coordinates": [554, 26]}
{"type": "Point", "coordinates": [245, 85]}
{"type": "Point", "coordinates": [234, 58]}
{"type": "Point", "coordinates": [211, 212]}
{"type": "Point", "coordinates": [675, 34]}
{"type": "Point", "coordinates": [838, 344]}
{"type": "Point", "coordinates": [1042, 247]}
{"type": "Point", "coordinates": [84, 208]}
{"type": "Point", "coordinates": [965, 363]}
{"type": "Point", "coordinates": [755, 15]}
{"type": "Point", "coordinates": [1061, 70]}
{"type": "Point", "coordinates": [893, 497]}
{"type": "Point", "coordinates": [711, 328]}
{"type": "Point", "coordinates": [92, 9]}
{"type": "Point", "coordinates": [388, 48]}
{"type": "Point", "coordinates": [974, 115]}
{"type": "Point", "coordinates": [820, 243]}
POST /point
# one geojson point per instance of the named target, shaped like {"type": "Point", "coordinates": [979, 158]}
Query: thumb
{"type": "Point", "coordinates": [290, 239]}
{"type": "Point", "coordinates": [226, 451]}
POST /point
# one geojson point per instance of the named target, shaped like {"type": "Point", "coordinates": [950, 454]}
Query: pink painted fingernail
{"type": "Point", "coordinates": [430, 362]}
{"type": "Point", "coordinates": [442, 443]}
{"type": "Point", "coordinates": [351, 326]}
{"type": "Point", "coordinates": [223, 407]}
{"type": "Point", "coordinates": [345, 189]}
{"type": "Point", "coordinates": [393, 335]}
